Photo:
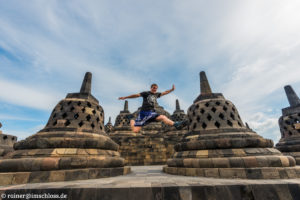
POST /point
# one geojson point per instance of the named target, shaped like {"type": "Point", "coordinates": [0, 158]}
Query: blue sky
{"type": "Point", "coordinates": [249, 50]}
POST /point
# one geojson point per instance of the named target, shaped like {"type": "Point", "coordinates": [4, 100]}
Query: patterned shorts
{"type": "Point", "coordinates": [145, 117]}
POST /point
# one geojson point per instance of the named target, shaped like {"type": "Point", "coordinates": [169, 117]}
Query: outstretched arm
{"type": "Point", "coordinates": [168, 91]}
{"type": "Point", "coordinates": [130, 96]}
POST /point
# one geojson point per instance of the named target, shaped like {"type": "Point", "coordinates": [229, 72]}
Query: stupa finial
{"type": "Point", "coordinates": [87, 83]}
{"type": "Point", "coordinates": [291, 95]}
{"type": "Point", "coordinates": [204, 85]}
{"type": "Point", "coordinates": [177, 105]}
{"type": "Point", "coordinates": [126, 105]}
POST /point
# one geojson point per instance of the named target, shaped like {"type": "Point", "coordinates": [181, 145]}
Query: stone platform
{"type": "Point", "coordinates": [149, 182]}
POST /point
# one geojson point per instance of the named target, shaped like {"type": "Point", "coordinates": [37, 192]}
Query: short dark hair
{"type": "Point", "coordinates": [154, 84]}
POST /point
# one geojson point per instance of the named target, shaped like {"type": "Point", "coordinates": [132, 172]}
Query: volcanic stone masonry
{"type": "Point", "coordinates": [153, 145]}
{"type": "Point", "coordinates": [289, 124]}
{"type": "Point", "coordinates": [108, 126]}
{"type": "Point", "coordinates": [218, 144]}
{"type": "Point", "coordinates": [72, 146]}
{"type": "Point", "coordinates": [6, 143]}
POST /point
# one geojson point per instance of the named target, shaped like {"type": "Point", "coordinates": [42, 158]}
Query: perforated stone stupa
{"type": "Point", "coordinates": [72, 146]}
{"type": "Point", "coordinates": [218, 144]}
{"type": "Point", "coordinates": [109, 126]}
{"type": "Point", "coordinates": [289, 124]}
{"type": "Point", "coordinates": [173, 136]}
{"type": "Point", "coordinates": [6, 143]}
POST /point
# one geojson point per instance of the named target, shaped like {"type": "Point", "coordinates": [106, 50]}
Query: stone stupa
{"type": "Point", "coordinates": [6, 143]}
{"type": "Point", "coordinates": [108, 126]}
{"type": "Point", "coordinates": [72, 146]}
{"type": "Point", "coordinates": [122, 123]}
{"type": "Point", "coordinates": [173, 136]}
{"type": "Point", "coordinates": [219, 145]}
{"type": "Point", "coordinates": [289, 124]}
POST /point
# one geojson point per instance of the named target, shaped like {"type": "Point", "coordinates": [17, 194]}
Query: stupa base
{"type": "Point", "coordinates": [242, 173]}
{"type": "Point", "coordinates": [13, 178]}
{"type": "Point", "coordinates": [296, 156]}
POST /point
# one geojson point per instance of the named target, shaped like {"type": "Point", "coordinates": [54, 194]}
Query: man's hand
{"type": "Point", "coordinates": [173, 87]}
{"type": "Point", "coordinates": [168, 91]}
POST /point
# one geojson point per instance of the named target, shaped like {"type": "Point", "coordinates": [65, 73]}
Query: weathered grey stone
{"type": "Point", "coordinates": [73, 144]}
{"type": "Point", "coordinates": [221, 140]}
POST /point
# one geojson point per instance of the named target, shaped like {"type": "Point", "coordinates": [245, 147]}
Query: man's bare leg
{"type": "Point", "coordinates": [135, 129]}
{"type": "Point", "coordinates": [165, 120]}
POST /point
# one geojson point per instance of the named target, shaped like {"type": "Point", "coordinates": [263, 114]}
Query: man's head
{"type": "Point", "coordinates": [153, 88]}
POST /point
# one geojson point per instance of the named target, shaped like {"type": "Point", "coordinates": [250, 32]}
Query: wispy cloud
{"type": "Point", "coordinates": [248, 48]}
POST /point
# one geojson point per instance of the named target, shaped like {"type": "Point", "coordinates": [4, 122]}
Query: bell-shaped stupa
{"type": "Point", "coordinates": [122, 123]}
{"type": "Point", "coordinates": [218, 144]}
{"type": "Point", "coordinates": [108, 126]}
{"type": "Point", "coordinates": [6, 143]}
{"type": "Point", "coordinates": [289, 124]}
{"type": "Point", "coordinates": [72, 146]}
{"type": "Point", "coordinates": [172, 136]}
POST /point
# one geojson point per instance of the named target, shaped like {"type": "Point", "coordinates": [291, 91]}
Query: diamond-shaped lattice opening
{"type": "Point", "coordinates": [88, 117]}
{"type": "Point", "coordinates": [213, 109]}
{"type": "Point", "coordinates": [94, 112]}
{"type": "Point", "coordinates": [209, 117]}
{"type": "Point", "coordinates": [194, 114]}
{"type": "Point", "coordinates": [101, 127]}
{"type": "Point", "coordinates": [97, 119]}
{"type": "Point", "coordinates": [72, 108]}
{"type": "Point", "coordinates": [79, 103]}
{"type": "Point", "coordinates": [194, 126]}
{"type": "Point", "coordinates": [233, 109]}
{"type": "Point", "coordinates": [101, 114]}
{"type": "Point", "coordinates": [61, 108]}
{"type": "Point", "coordinates": [191, 121]}
{"type": "Point", "coordinates": [287, 122]}
{"type": "Point", "coordinates": [221, 116]}
{"type": "Point", "coordinates": [197, 106]}
{"type": "Point", "coordinates": [218, 103]}
{"type": "Point", "coordinates": [69, 102]}
{"type": "Point", "coordinates": [225, 108]}
{"type": "Point", "coordinates": [92, 125]}
{"type": "Point", "coordinates": [229, 123]}
{"type": "Point", "coordinates": [64, 115]}
{"type": "Point", "coordinates": [67, 123]}
{"type": "Point", "coordinates": [239, 117]}
{"type": "Point", "coordinates": [54, 116]}
{"type": "Point", "coordinates": [217, 124]}
{"type": "Point", "coordinates": [207, 104]}
{"type": "Point", "coordinates": [290, 133]}
{"type": "Point", "coordinates": [83, 110]}
{"type": "Point", "coordinates": [227, 103]}
{"type": "Point", "coordinates": [5, 137]}
{"type": "Point", "coordinates": [202, 111]}
{"type": "Point", "coordinates": [54, 123]}
{"type": "Point", "coordinates": [80, 124]}
{"type": "Point", "coordinates": [204, 125]}
{"type": "Point", "coordinates": [89, 104]}
{"type": "Point", "coordinates": [239, 123]}
{"type": "Point", "coordinates": [198, 119]}
{"type": "Point", "coordinates": [98, 107]}
{"type": "Point", "coordinates": [232, 116]}
{"type": "Point", "coordinates": [76, 116]}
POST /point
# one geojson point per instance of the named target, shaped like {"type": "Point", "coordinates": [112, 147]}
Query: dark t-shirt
{"type": "Point", "coordinates": [149, 100]}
